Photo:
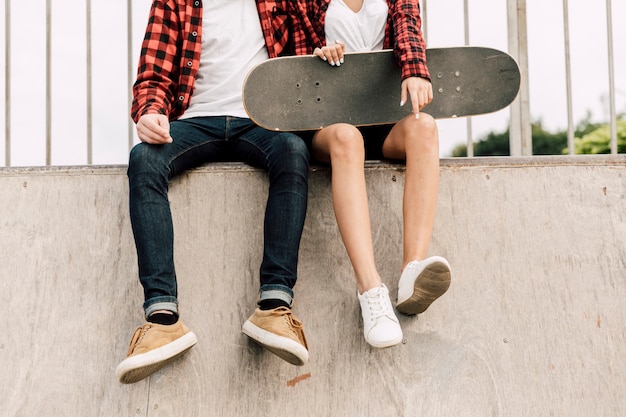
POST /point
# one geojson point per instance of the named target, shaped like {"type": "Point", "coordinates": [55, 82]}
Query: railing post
{"type": "Point", "coordinates": [7, 83]}
{"type": "Point", "coordinates": [468, 121]}
{"type": "Point", "coordinates": [568, 80]}
{"type": "Point", "coordinates": [520, 132]}
{"type": "Point", "coordinates": [89, 86]}
{"type": "Point", "coordinates": [48, 82]}
{"type": "Point", "coordinates": [130, 68]}
{"type": "Point", "coordinates": [613, 112]}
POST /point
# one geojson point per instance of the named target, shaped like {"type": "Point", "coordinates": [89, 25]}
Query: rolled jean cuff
{"type": "Point", "coordinates": [276, 292]}
{"type": "Point", "coordinates": [161, 303]}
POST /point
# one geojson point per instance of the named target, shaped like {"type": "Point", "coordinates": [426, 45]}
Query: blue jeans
{"type": "Point", "coordinates": [209, 139]}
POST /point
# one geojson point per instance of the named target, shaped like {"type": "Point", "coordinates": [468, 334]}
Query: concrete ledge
{"type": "Point", "coordinates": [533, 324]}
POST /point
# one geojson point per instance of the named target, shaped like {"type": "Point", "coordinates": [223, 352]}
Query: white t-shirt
{"type": "Point", "coordinates": [232, 43]}
{"type": "Point", "coordinates": [361, 31]}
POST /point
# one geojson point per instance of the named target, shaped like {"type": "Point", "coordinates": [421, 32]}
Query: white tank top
{"type": "Point", "coordinates": [232, 43]}
{"type": "Point", "coordinates": [361, 31]}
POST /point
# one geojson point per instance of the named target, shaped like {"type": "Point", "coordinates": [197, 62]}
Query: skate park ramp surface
{"type": "Point", "coordinates": [532, 325]}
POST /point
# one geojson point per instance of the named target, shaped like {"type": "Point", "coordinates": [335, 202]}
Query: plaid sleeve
{"type": "Point", "coordinates": [154, 91]}
{"type": "Point", "coordinates": [275, 25]}
{"type": "Point", "coordinates": [409, 46]}
{"type": "Point", "coordinates": [307, 35]}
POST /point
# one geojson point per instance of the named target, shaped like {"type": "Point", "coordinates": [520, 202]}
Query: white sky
{"type": "Point", "coordinates": [444, 23]}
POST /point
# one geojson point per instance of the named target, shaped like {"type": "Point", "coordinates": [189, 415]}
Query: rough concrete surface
{"type": "Point", "coordinates": [533, 324]}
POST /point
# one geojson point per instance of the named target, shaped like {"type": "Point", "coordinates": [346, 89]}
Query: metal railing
{"type": "Point", "coordinates": [7, 83]}
{"type": "Point", "coordinates": [519, 123]}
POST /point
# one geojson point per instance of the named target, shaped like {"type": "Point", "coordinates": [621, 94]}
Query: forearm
{"type": "Point", "coordinates": [154, 90]}
{"type": "Point", "coordinates": [409, 45]}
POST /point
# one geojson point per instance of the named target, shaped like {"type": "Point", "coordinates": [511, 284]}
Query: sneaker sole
{"type": "Point", "coordinates": [429, 285]}
{"type": "Point", "coordinates": [383, 345]}
{"type": "Point", "coordinates": [284, 348]}
{"type": "Point", "coordinates": [138, 367]}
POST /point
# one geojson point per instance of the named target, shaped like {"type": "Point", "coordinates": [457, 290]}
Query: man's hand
{"type": "Point", "coordinates": [331, 53]}
{"type": "Point", "coordinates": [420, 90]}
{"type": "Point", "coordinates": [154, 129]}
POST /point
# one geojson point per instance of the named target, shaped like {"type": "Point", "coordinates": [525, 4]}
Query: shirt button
{"type": "Point", "coordinates": [189, 63]}
{"type": "Point", "coordinates": [181, 98]}
{"type": "Point", "coordinates": [194, 33]}
{"type": "Point", "coordinates": [196, 3]}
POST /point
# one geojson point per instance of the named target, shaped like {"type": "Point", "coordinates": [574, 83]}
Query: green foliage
{"type": "Point", "coordinates": [495, 144]}
{"type": "Point", "coordinates": [586, 126]}
{"type": "Point", "coordinates": [589, 138]}
{"type": "Point", "coordinates": [598, 140]}
{"type": "Point", "coordinates": [546, 143]}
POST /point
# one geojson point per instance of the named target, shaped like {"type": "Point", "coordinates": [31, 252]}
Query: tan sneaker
{"type": "Point", "coordinates": [153, 346]}
{"type": "Point", "coordinates": [279, 332]}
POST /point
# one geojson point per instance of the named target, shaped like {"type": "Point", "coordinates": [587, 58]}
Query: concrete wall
{"type": "Point", "coordinates": [533, 324]}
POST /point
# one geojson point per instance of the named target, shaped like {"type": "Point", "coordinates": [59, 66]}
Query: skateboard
{"type": "Point", "coordinates": [305, 93]}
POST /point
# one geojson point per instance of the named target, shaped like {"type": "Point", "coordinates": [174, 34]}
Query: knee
{"type": "Point", "coordinates": [423, 133]}
{"type": "Point", "coordinates": [347, 143]}
{"type": "Point", "coordinates": [293, 152]}
{"type": "Point", "coordinates": [138, 159]}
{"type": "Point", "coordinates": [428, 124]}
{"type": "Point", "coordinates": [145, 160]}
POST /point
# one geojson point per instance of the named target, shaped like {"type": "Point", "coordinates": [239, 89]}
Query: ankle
{"type": "Point", "coordinates": [366, 285]}
{"type": "Point", "coordinates": [272, 303]}
{"type": "Point", "coordinates": [164, 317]}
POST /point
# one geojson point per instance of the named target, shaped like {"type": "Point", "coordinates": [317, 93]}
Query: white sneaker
{"type": "Point", "coordinates": [380, 324]}
{"type": "Point", "coordinates": [421, 283]}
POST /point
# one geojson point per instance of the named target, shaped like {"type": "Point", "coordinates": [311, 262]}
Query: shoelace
{"type": "Point", "coordinates": [377, 305]}
{"type": "Point", "coordinates": [137, 336]}
{"type": "Point", "coordinates": [294, 324]}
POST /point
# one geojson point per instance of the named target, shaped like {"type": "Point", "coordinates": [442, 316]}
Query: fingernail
{"type": "Point", "coordinates": [324, 58]}
{"type": "Point", "coordinates": [341, 61]}
{"type": "Point", "coordinates": [401, 103]}
{"type": "Point", "coordinates": [332, 63]}
{"type": "Point", "coordinates": [417, 116]}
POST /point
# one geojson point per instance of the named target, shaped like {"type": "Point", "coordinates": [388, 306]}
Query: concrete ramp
{"type": "Point", "coordinates": [534, 323]}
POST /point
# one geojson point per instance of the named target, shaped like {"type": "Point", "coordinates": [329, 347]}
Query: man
{"type": "Point", "coordinates": [188, 110]}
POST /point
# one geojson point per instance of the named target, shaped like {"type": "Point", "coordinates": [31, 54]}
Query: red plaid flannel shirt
{"type": "Point", "coordinates": [170, 53]}
{"type": "Point", "coordinates": [403, 32]}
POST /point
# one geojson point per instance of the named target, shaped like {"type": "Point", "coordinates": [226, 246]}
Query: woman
{"type": "Point", "coordinates": [366, 25]}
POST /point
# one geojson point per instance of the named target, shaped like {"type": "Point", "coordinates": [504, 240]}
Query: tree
{"type": "Point", "coordinates": [497, 143]}
{"type": "Point", "coordinates": [598, 140]}
{"type": "Point", "coordinates": [589, 138]}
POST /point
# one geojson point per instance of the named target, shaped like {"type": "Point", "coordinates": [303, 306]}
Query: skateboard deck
{"type": "Point", "coordinates": [305, 93]}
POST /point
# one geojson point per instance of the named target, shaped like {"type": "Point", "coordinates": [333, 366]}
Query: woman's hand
{"type": "Point", "coordinates": [154, 129]}
{"type": "Point", "coordinates": [333, 54]}
{"type": "Point", "coordinates": [419, 90]}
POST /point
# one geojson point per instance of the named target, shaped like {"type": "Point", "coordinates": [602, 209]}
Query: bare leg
{"type": "Point", "coordinates": [342, 146]}
{"type": "Point", "coordinates": [417, 141]}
